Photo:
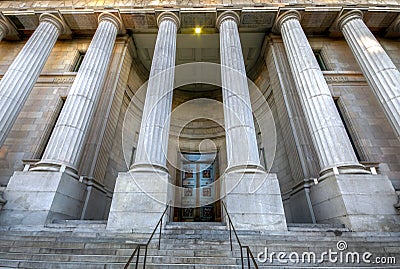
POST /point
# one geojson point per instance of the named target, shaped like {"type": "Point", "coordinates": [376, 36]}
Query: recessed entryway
{"type": "Point", "coordinates": [198, 176]}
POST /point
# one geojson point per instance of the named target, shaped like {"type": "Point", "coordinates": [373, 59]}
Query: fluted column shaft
{"type": "Point", "coordinates": [154, 130]}
{"type": "Point", "coordinates": [69, 134]}
{"type": "Point", "coordinates": [328, 134]}
{"type": "Point", "coordinates": [379, 70]}
{"type": "Point", "coordinates": [241, 143]}
{"type": "Point", "coordinates": [21, 76]}
{"type": "Point", "coordinates": [3, 29]}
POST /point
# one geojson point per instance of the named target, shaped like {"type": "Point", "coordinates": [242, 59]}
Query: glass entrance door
{"type": "Point", "coordinates": [198, 197]}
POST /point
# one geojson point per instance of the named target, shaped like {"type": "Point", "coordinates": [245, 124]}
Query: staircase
{"type": "Point", "coordinates": [183, 245]}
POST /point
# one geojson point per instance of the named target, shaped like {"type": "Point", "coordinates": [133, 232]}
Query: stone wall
{"type": "Point", "coordinates": [128, 118]}
{"type": "Point", "coordinates": [373, 136]}
{"type": "Point", "coordinates": [37, 115]}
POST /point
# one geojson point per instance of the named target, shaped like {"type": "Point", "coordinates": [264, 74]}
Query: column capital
{"type": "Point", "coordinates": [227, 15]}
{"type": "Point", "coordinates": [47, 17]}
{"type": "Point", "coordinates": [290, 14]}
{"type": "Point", "coordinates": [167, 15]}
{"type": "Point", "coordinates": [349, 16]}
{"type": "Point", "coordinates": [4, 27]}
{"type": "Point", "coordinates": [106, 16]}
{"type": "Point", "coordinates": [71, 127]}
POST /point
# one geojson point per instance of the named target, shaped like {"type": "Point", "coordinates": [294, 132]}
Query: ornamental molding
{"type": "Point", "coordinates": [81, 17]}
{"type": "Point", "coordinates": [107, 4]}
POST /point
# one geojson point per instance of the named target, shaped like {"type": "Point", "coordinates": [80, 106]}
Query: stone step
{"type": "Point", "coordinates": [183, 252]}
{"type": "Point", "coordinates": [59, 244]}
{"type": "Point", "coordinates": [79, 222]}
{"type": "Point", "coordinates": [194, 243]}
{"type": "Point", "coordinates": [63, 234]}
{"type": "Point", "coordinates": [57, 233]}
{"type": "Point", "coordinates": [119, 251]}
{"type": "Point", "coordinates": [108, 259]}
{"type": "Point", "coordinates": [64, 257]}
{"type": "Point", "coordinates": [96, 243]}
{"type": "Point", "coordinates": [270, 236]}
{"type": "Point", "coordinates": [72, 251]}
{"type": "Point", "coordinates": [300, 236]}
{"type": "Point", "coordinates": [196, 225]}
{"type": "Point", "coordinates": [182, 246]}
{"type": "Point", "coordinates": [255, 242]}
{"type": "Point", "coordinates": [66, 239]}
{"type": "Point", "coordinates": [78, 265]}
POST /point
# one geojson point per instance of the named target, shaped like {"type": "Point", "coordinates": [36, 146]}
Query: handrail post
{"type": "Point", "coordinates": [248, 251]}
{"type": "Point", "coordinates": [147, 244]}
{"type": "Point", "coordinates": [230, 235]}
{"type": "Point", "coordinates": [159, 237]}
{"type": "Point", "coordinates": [241, 256]}
{"type": "Point", "coordinates": [145, 257]}
{"type": "Point", "coordinates": [137, 258]}
{"type": "Point", "coordinates": [248, 256]}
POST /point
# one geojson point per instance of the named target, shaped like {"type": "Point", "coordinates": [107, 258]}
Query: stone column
{"type": "Point", "coordinates": [343, 182]}
{"type": "Point", "coordinates": [65, 145]}
{"type": "Point", "coordinates": [244, 182]}
{"type": "Point", "coordinates": [241, 140]}
{"type": "Point", "coordinates": [22, 74]}
{"type": "Point", "coordinates": [3, 29]}
{"type": "Point", "coordinates": [329, 136]}
{"type": "Point", "coordinates": [379, 70]}
{"type": "Point", "coordinates": [153, 137]}
{"type": "Point", "coordinates": [140, 195]}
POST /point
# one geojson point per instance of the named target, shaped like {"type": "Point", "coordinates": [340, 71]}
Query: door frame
{"type": "Point", "coordinates": [177, 215]}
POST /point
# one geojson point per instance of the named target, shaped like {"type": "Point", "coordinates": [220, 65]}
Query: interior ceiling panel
{"type": "Point", "coordinates": [199, 48]}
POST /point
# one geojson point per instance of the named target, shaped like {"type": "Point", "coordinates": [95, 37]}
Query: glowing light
{"type": "Point", "coordinates": [197, 30]}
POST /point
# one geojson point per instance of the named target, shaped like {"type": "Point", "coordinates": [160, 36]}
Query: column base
{"type": "Point", "coordinates": [361, 202]}
{"type": "Point", "coordinates": [343, 169]}
{"type": "Point", "coordinates": [38, 198]}
{"type": "Point", "coordinates": [249, 168]}
{"type": "Point", "coordinates": [148, 168]}
{"type": "Point", "coordinates": [138, 202]}
{"type": "Point", "coordinates": [54, 167]}
{"type": "Point", "coordinates": [254, 201]}
{"type": "Point", "coordinates": [97, 201]}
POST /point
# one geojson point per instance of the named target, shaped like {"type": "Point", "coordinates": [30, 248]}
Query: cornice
{"type": "Point", "coordinates": [318, 20]}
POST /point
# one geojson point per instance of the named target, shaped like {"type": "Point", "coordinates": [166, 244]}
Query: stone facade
{"type": "Point", "coordinates": [303, 116]}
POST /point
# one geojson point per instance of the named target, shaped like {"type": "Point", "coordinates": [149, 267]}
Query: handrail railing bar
{"type": "Point", "coordinates": [248, 250]}
{"type": "Point", "coordinates": [137, 249]}
{"type": "Point", "coordinates": [137, 258]}
{"type": "Point", "coordinates": [230, 221]}
{"type": "Point", "coordinates": [131, 257]}
{"type": "Point", "coordinates": [252, 257]}
{"type": "Point", "coordinates": [158, 223]}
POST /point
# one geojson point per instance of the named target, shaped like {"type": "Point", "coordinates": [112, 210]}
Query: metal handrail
{"type": "Point", "coordinates": [249, 254]}
{"type": "Point", "coordinates": [136, 252]}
